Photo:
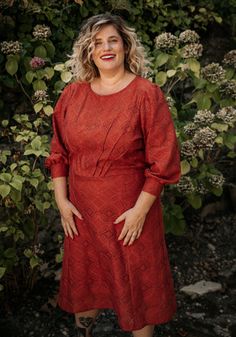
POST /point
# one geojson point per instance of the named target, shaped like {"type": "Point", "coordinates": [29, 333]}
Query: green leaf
{"type": "Point", "coordinates": [211, 87]}
{"type": "Point", "coordinates": [34, 182]}
{"type": "Point", "coordinates": [10, 253]}
{"type": "Point", "coordinates": [220, 127]}
{"type": "Point", "coordinates": [201, 154]}
{"type": "Point", "coordinates": [229, 73]}
{"type": "Point", "coordinates": [219, 140]}
{"type": "Point", "coordinates": [5, 123]}
{"type": "Point", "coordinates": [1, 287]}
{"type": "Point", "coordinates": [40, 51]}
{"type": "Point", "coordinates": [36, 143]}
{"type": "Point", "coordinates": [161, 59]}
{"type": "Point", "coordinates": [217, 191]}
{"type": "Point", "coordinates": [195, 201]}
{"type": "Point", "coordinates": [34, 262]}
{"type": "Point", "coordinates": [49, 72]}
{"type": "Point", "coordinates": [59, 67]}
{"type": "Point", "coordinates": [39, 85]}
{"type": "Point", "coordinates": [58, 86]}
{"type": "Point", "coordinates": [11, 66]}
{"type": "Point", "coordinates": [185, 167]}
{"type": "Point", "coordinates": [66, 76]}
{"type": "Point", "coordinates": [2, 271]}
{"type": "Point", "coordinates": [218, 19]}
{"type": "Point", "coordinates": [161, 78]}
{"type": "Point", "coordinates": [204, 102]}
{"type": "Point", "coordinates": [194, 162]}
{"type": "Point", "coordinates": [4, 190]}
{"type": "Point", "coordinates": [38, 107]}
{"type": "Point", "coordinates": [17, 185]}
{"type": "Point", "coordinates": [231, 154]}
{"type": "Point", "coordinates": [30, 76]}
{"type": "Point", "coordinates": [171, 72]}
{"type": "Point", "coordinates": [50, 48]}
{"type": "Point", "coordinates": [194, 65]}
{"type": "Point", "coordinates": [28, 252]}
{"type": "Point", "coordinates": [48, 109]}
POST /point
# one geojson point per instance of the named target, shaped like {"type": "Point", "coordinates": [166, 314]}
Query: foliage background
{"type": "Point", "coordinates": [38, 36]}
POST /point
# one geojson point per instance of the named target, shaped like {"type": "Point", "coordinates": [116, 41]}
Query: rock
{"type": "Point", "coordinates": [200, 288]}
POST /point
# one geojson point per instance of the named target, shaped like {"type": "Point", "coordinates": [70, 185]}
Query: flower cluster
{"type": "Point", "coordinates": [228, 87]}
{"type": "Point", "coordinates": [42, 32]}
{"type": "Point", "coordinates": [227, 114]}
{"type": "Point", "coordinates": [37, 62]}
{"type": "Point", "coordinates": [204, 138]}
{"type": "Point", "coordinates": [204, 117]}
{"type": "Point", "coordinates": [216, 180]}
{"type": "Point", "coordinates": [201, 189]}
{"type": "Point", "coordinates": [185, 185]}
{"type": "Point", "coordinates": [192, 50]}
{"type": "Point", "coordinates": [166, 41]}
{"type": "Point", "coordinates": [170, 100]}
{"type": "Point", "coordinates": [189, 36]}
{"type": "Point", "coordinates": [189, 129]}
{"type": "Point", "coordinates": [5, 3]}
{"type": "Point", "coordinates": [230, 58]}
{"type": "Point", "coordinates": [40, 96]}
{"type": "Point", "coordinates": [188, 149]}
{"type": "Point", "coordinates": [11, 47]}
{"type": "Point", "coordinates": [213, 73]}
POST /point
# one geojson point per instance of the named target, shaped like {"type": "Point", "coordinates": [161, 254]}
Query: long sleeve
{"type": "Point", "coordinates": [161, 147]}
{"type": "Point", "coordinates": [57, 162]}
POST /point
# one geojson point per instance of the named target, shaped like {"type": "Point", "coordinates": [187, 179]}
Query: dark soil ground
{"type": "Point", "coordinates": [207, 251]}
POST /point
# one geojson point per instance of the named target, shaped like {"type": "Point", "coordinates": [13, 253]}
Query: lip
{"type": "Point", "coordinates": [113, 56]}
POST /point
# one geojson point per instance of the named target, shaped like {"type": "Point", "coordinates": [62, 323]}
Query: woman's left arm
{"type": "Point", "coordinates": [162, 159]}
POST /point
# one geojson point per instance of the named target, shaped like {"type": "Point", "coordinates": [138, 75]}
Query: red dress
{"type": "Point", "coordinates": [111, 148]}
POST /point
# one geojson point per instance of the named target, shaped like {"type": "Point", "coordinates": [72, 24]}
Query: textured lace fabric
{"type": "Point", "coordinates": [112, 147]}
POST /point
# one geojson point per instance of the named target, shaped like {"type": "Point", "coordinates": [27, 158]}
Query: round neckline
{"type": "Point", "coordinates": [114, 93]}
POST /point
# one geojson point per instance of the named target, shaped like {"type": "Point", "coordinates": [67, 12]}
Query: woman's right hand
{"type": "Point", "coordinates": [67, 209]}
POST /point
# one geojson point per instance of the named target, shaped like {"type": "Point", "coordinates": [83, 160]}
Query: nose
{"type": "Point", "coordinates": [107, 45]}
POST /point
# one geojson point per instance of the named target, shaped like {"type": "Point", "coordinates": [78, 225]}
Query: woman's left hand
{"type": "Point", "coordinates": [133, 226]}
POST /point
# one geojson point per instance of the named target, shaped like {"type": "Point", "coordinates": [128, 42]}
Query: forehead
{"type": "Point", "coordinates": [107, 31]}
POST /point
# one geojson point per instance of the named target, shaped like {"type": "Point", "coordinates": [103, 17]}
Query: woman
{"type": "Point", "coordinates": [115, 141]}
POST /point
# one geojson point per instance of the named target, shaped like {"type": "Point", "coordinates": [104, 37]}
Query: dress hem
{"type": "Point", "coordinates": [165, 319]}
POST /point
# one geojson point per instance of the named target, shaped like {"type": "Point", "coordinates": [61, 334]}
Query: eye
{"type": "Point", "coordinates": [97, 43]}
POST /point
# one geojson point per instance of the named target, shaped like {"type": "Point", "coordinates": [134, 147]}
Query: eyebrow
{"type": "Point", "coordinates": [110, 37]}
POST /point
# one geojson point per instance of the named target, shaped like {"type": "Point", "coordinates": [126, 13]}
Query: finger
{"type": "Point", "coordinates": [127, 238]}
{"type": "Point", "coordinates": [77, 213]}
{"type": "Point", "coordinates": [120, 218]}
{"type": "Point", "coordinates": [123, 233]}
{"type": "Point", "coordinates": [69, 230]}
{"type": "Point", "coordinates": [139, 233]}
{"type": "Point", "coordinates": [64, 226]}
{"type": "Point", "coordinates": [73, 226]}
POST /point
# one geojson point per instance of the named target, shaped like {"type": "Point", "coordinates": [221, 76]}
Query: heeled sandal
{"type": "Point", "coordinates": [81, 332]}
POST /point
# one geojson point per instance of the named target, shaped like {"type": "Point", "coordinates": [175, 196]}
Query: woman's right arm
{"type": "Point", "coordinates": [66, 208]}
{"type": "Point", "coordinates": [58, 163]}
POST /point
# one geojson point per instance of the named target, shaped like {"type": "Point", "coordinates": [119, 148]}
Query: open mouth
{"type": "Point", "coordinates": [108, 57]}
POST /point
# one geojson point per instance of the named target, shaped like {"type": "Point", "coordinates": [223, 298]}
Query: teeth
{"type": "Point", "coordinates": [107, 57]}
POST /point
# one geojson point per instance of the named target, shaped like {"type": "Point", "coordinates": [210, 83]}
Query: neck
{"type": "Point", "coordinates": [111, 79]}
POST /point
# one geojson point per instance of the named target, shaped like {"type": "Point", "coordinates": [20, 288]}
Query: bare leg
{"type": "Point", "coordinates": [147, 331]}
{"type": "Point", "coordinates": [84, 321]}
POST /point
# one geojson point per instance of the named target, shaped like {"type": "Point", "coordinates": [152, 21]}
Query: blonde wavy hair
{"type": "Point", "coordinates": [80, 61]}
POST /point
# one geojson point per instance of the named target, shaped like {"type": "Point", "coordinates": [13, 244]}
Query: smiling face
{"type": "Point", "coordinates": [109, 51]}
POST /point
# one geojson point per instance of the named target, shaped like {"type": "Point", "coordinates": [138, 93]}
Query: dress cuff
{"type": "Point", "coordinates": [59, 170]}
{"type": "Point", "coordinates": [152, 186]}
